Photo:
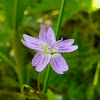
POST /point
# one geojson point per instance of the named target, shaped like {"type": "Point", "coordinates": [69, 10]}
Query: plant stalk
{"type": "Point", "coordinates": [57, 35]}
{"type": "Point", "coordinates": [18, 51]}
{"type": "Point", "coordinates": [16, 44]}
{"type": "Point", "coordinates": [47, 79]}
{"type": "Point", "coordinates": [97, 74]}
{"type": "Point", "coordinates": [60, 20]}
{"type": "Point", "coordinates": [39, 82]}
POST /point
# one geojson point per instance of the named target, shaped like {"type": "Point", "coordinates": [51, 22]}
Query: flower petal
{"type": "Point", "coordinates": [68, 49]}
{"type": "Point", "coordinates": [32, 40]}
{"type": "Point", "coordinates": [64, 43]}
{"type": "Point", "coordinates": [58, 64]}
{"type": "Point", "coordinates": [42, 33]}
{"type": "Point", "coordinates": [31, 46]}
{"type": "Point", "coordinates": [55, 68]}
{"type": "Point", "coordinates": [40, 61]}
{"type": "Point", "coordinates": [37, 58]}
{"type": "Point", "coordinates": [50, 35]}
{"type": "Point", "coordinates": [32, 43]}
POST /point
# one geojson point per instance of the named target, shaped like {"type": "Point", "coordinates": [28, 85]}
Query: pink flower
{"type": "Point", "coordinates": [49, 50]}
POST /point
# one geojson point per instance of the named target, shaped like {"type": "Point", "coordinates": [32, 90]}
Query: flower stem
{"type": "Point", "coordinates": [60, 19]}
{"type": "Point", "coordinates": [39, 82]}
{"type": "Point", "coordinates": [46, 79]}
{"type": "Point", "coordinates": [57, 35]}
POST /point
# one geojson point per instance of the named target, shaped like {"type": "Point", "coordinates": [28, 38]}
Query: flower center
{"type": "Point", "coordinates": [49, 49]}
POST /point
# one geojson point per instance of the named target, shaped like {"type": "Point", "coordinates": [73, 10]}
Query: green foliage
{"type": "Point", "coordinates": [4, 35]}
{"type": "Point", "coordinates": [51, 95]}
{"type": "Point", "coordinates": [14, 11]}
{"type": "Point", "coordinates": [5, 57]}
{"type": "Point", "coordinates": [44, 6]}
{"type": "Point", "coordinates": [90, 92]}
{"type": "Point", "coordinates": [98, 89]}
{"type": "Point", "coordinates": [75, 92]}
{"type": "Point", "coordinates": [79, 23]}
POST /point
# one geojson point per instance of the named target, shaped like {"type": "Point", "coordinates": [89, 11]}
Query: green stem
{"type": "Point", "coordinates": [95, 82]}
{"type": "Point", "coordinates": [60, 20]}
{"type": "Point", "coordinates": [39, 82]}
{"type": "Point", "coordinates": [56, 34]}
{"type": "Point", "coordinates": [18, 54]}
{"type": "Point", "coordinates": [47, 79]}
{"type": "Point", "coordinates": [96, 77]}
{"type": "Point", "coordinates": [16, 44]}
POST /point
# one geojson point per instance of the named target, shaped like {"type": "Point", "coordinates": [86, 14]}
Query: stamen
{"type": "Point", "coordinates": [53, 56]}
{"type": "Point", "coordinates": [42, 47]}
{"type": "Point", "coordinates": [49, 49]}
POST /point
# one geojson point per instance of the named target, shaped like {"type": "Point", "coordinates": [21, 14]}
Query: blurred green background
{"type": "Point", "coordinates": [81, 21]}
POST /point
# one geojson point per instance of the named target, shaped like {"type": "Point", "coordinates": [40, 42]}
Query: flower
{"type": "Point", "coordinates": [49, 50]}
